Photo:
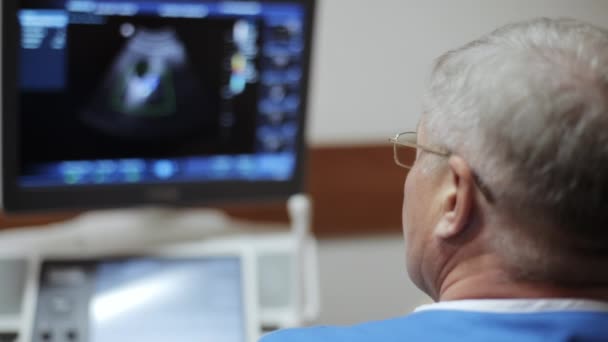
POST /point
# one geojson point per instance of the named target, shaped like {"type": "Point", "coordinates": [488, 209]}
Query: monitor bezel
{"type": "Point", "coordinates": [20, 199]}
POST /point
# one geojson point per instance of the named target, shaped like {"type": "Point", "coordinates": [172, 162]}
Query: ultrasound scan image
{"type": "Point", "coordinates": [142, 79]}
{"type": "Point", "coordinates": [138, 98]}
{"type": "Point", "coordinates": [142, 87]}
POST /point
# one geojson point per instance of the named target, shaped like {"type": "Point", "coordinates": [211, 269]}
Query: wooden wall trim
{"type": "Point", "coordinates": [356, 190]}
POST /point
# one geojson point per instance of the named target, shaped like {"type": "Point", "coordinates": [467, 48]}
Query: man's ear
{"type": "Point", "coordinates": [457, 199]}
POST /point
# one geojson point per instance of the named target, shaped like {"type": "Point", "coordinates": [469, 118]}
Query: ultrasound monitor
{"type": "Point", "coordinates": [111, 103]}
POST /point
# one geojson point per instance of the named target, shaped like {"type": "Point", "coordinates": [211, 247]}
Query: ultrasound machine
{"type": "Point", "coordinates": [140, 113]}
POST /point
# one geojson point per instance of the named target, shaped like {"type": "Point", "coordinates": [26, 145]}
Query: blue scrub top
{"type": "Point", "coordinates": [469, 326]}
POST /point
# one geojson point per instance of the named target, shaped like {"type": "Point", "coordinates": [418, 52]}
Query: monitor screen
{"type": "Point", "coordinates": [110, 103]}
{"type": "Point", "coordinates": [141, 299]}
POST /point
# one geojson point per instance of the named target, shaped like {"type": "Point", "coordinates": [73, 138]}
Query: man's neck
{"type": "Point", "coordinates": [486, 278]}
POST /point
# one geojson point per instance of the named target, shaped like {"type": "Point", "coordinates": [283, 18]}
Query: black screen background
{"type": "Point", "coordinates": [52, 128]}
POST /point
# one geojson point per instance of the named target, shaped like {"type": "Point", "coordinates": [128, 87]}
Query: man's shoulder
{"type": "Point", "coordinates": [439, 325]}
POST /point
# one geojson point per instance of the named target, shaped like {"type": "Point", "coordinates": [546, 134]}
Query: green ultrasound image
{"type": "Point", "coordinates": [145, 89]}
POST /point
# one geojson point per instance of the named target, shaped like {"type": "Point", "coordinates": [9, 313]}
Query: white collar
{"type": "Point", "coordinates": [518, 305]}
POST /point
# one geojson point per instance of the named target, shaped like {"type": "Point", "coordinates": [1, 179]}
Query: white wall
{"type": "Point", "coordinates": [373, 57]}
{"type": "Point", "coordinates": [365, 279]}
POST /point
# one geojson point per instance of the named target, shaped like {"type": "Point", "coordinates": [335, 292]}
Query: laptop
{"type": "Point", "coordinates": [197, 292]}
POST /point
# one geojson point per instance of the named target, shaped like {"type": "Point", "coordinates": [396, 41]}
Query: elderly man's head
{"type": "Point", "coordinates": [523, 115]}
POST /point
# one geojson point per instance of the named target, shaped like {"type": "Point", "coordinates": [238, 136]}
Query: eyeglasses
{"type": "Point", "coordinates": [405, 146]}
{"type": "Point", "coordinates": [405, 150]}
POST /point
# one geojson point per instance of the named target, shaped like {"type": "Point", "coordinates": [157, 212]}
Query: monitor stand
{"type": "Point", "coordinates": [114, 231]}
{"type": "Point", "coordinates": [150, 226]}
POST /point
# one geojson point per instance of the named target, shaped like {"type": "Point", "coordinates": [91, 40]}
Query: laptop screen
{"type": "Point", "coordinates": [142, 299]}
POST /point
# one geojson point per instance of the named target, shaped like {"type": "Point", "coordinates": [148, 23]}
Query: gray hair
{"type": "Point", "coordinates": [527, 107]}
